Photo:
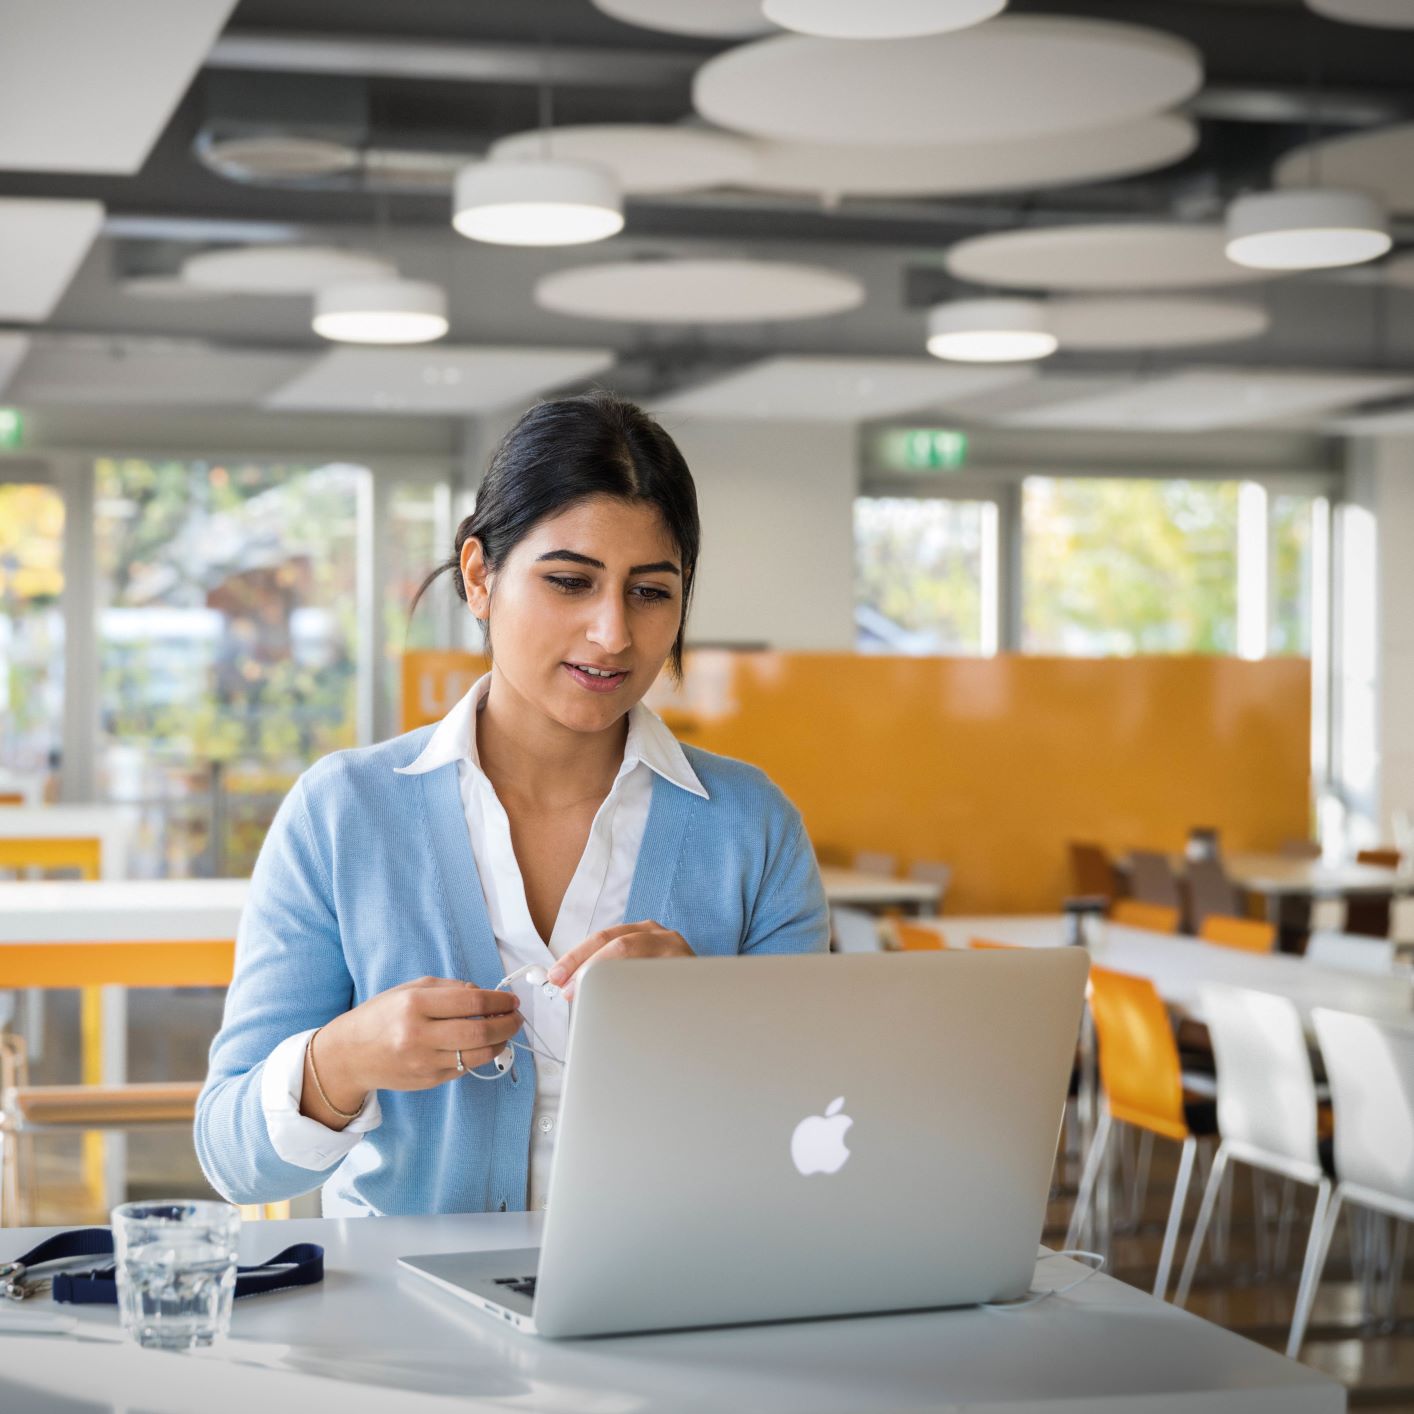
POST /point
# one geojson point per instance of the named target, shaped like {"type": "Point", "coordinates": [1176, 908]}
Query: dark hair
{"type": "Point", "coordinates": [563, 452]}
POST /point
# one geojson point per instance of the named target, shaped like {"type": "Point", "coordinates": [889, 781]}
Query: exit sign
{"type": "Point", "coordinates": [12, 428]}
{"type": "Point", "coordinates": [923, 449]}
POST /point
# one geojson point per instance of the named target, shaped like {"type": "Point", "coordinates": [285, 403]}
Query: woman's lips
{"type": "Point", "coordinates": [590, 683]}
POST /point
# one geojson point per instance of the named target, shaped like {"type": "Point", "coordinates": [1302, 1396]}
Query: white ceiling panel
{"type": "Point", "coordinates": [88, 85]}
{"type": "Point", "coordinates": [443, 379]}
{"type": "Point", "coordinates": [93, 371]}
{"type": "Point", "coordinates": [823, 389]}
{"type": "Point", "coordinates": [42, 244]}
{"type": "Point", "coordinates": [998, 405]}
{"type": "Point", "coordinates": [13, 348]}
{"type": "Point", "coordinates": [1208, 399]}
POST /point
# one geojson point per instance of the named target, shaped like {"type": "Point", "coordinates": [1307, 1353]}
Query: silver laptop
{"type": "Point", "coordinates": [757, 1139]}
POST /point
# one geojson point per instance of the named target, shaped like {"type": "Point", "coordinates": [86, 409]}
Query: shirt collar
{"type": "Point", "coordinates": [649, 742]}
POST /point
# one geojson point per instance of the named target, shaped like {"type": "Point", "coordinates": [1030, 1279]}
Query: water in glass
{"type": "Point", "coordinates": [176, 1271]}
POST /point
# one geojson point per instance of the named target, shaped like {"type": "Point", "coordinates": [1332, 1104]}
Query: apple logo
{"type": "Point", "coordinates": [818, 1146]}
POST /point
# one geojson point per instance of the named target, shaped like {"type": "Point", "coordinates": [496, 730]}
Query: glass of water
{"type": "Point", "coordinates": [176, 1271]}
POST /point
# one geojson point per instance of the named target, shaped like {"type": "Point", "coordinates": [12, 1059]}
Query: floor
{"type": "Point", "coordinates": [1372, 1355]}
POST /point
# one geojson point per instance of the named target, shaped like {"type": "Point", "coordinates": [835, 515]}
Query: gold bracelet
{"type": "Point", "coordinates": [329, 1104]}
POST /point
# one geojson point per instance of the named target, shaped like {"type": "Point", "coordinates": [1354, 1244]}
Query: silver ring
{"type": "Point", "coordinates": [460, 1067]}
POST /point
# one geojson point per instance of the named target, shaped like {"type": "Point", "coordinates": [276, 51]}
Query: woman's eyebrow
{"type": "Point", "coordinates": [658, 567]}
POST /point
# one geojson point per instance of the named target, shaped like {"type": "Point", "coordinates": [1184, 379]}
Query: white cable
{"type": "Point", "coordinates": [1035, 1296]}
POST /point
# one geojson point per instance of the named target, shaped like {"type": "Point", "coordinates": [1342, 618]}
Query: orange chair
{"type": "Point", "coordinates": [987, 945]}
{"type": "Point", "coordinates": [1142, 1082]}
{"type": "Point", "coordinates": [913, 937]}
{"type": "Point", "coordinates": [1248, 934]}
{"type": "Point", "coordinates": [1384, 858]}
{"type": "Point", "coordinates": [1152, 917]}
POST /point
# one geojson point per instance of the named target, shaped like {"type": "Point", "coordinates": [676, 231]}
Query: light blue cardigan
{"type": "Point", "coordinates": [367, 879]}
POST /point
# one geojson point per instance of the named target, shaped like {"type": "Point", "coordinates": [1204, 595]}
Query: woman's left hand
{"type": "Point", "coordinates": [646, 939]}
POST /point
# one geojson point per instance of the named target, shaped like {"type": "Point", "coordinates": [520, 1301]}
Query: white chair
{"type": "Point", "coordinates": [1401, 920]}
{"type": "Point", "coordinates": [1327, 915]}
{"type": "Point", "coordinates": [1371, 1071]}
{"type": "Point", "coordinates": [1266, 1107]}
{"type": "Point", "coordinates": [1351, 952]}
{"type": "Point", "coordinates": [868, 861]}
{"type": "Point", "coordinates": [854, 930]}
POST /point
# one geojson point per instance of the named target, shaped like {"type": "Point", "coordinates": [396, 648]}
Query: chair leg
{"type": "Point", "coordinates": [1318, 1245]}
{"type": "Point", "coordinates": [1205, 1213]}
{"type": "Point", "coordinates": [1141, 1178]}
{"type": "Point", "coordinates": [1396, 1270]}
{"type": "Point", "coordinates": [1180, 1196]}
{"type": "Point", "coordinates": [1093, 1161]}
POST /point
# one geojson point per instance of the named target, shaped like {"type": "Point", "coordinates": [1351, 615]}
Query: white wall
{"type": "Point", "coordinates": [1382, 481]}
{"type": "Point", "coordinates": [777, 504]}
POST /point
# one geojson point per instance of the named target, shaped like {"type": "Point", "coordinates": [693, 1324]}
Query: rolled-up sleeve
{"type": "Point", "coordinates": [297, 1138]}
{"type": "Point", "coordinates": [290, 976]}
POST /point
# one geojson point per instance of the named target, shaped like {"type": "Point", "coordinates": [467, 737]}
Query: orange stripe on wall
{"type": "Point", "coordinates": [991, 765]}
{"type": "Point", "coordinates": [165, 964]}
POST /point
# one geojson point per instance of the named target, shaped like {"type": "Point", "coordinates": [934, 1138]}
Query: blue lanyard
{"type": "Point", "coordinates": [299, 1265]}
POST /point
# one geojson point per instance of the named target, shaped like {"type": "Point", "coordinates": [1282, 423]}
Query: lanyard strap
{"type": "Point", "coordinates": [301, 1264]}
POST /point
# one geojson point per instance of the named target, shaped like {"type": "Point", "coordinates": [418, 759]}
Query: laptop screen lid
{"type": "Point", "coordinates": [746, 1139]}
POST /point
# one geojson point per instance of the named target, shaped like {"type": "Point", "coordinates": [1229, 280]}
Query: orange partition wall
{"type": "Point", "coordinates": [992, 764]}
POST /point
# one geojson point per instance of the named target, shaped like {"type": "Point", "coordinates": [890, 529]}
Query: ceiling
{"type": "Point", "coordinates": [419, 87]}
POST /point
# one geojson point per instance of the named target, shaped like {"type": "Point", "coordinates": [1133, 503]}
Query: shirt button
{"type": "Point", "coordinates": [545, 1124]}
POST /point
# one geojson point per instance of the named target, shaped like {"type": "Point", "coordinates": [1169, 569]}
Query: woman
{"type": "Point", "coordinates": [549, 819]}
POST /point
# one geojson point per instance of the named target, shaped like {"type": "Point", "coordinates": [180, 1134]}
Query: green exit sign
{"type": "Point", "coordinates": [12, 428]}
{"type": "Point", "coordinates": [923, 449]}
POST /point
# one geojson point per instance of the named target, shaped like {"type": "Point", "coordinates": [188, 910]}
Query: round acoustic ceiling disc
{"type": "Point", "coordinates": [879, 19]}
{"type": "Point", "coordinates": [1093, 154]}
{"type": "Point", "coordinates": [1009, 78]}
{"type": "Point", "coordinates": [1387, 14]}
{"type": "Point", "coordinates": [1380, 162]}
{"type": "Point", "coordinates": [698, 291]}
{"type": "Point", "coordinates": [283, 269]}
{"type": "Point", "coordinates": [1151, 323]}
{"type": "Point", "coordinates": [645, 158]}
{"type": "Point", "coordinates": [1141, 256]}
{"type": "Point", "coordinates": [704, 17]}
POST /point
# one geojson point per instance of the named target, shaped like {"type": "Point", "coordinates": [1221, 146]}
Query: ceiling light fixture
{"type": "Point", "coordinates": [881, 19]}
{"type": "Point", "coordinates": [1306, 228]}
{"type": "Point", "coordinates": [381, 312]}
{"type": "Point", "coordinates": [537, 203]}
{"type": "Point", "coordinates": [989, 331]}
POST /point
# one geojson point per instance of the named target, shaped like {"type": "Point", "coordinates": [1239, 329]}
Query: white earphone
{"type": "Point", "coordinates": [536, 976]}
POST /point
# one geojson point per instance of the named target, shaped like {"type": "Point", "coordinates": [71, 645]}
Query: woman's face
{"type": "Point", "coordinates": [598, 586]}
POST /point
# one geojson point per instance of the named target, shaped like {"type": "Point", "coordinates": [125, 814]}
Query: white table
{"type": "Point", "coordinates": [111, 825]}
{"type": "Point", "coordinates": [147, 911]}
{"type": "Point", "coordinates": [374, 1338]}
{"type": "Point", "coordinates": [1179, 967]}
{"type": "Point", "coordinates": [852, 886]}
{"type": "Point", "coordinates": [29, 788]}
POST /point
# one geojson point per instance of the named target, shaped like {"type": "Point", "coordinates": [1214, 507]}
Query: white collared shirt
{"type": "Point", "coordinates": [596, 898]}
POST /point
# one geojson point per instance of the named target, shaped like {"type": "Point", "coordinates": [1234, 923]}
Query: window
{"type": "Point", "coordinates": [227, 633]}
{"type": "Point", "coordinates": [1299, 527]}
{"type": "Point", "coordinates": [1118, 566]}
{"type": "Point", "coordinates": [925, 575]}
{"type": "Point", "coordinates": [31, 631]}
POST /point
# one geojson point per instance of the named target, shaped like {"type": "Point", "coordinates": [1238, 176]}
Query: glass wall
{"type": "Point", "coordinates": [227, 642]}
{"type": "Point", "coordinates": [31, 636]}
{"type": "Point", "coordinates": [1120, 566]}
{"type": "Point", "coordinates": [925, 571]}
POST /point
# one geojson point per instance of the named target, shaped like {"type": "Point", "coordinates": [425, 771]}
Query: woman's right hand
{"type": "Point", "coordinates": [406, 1039]}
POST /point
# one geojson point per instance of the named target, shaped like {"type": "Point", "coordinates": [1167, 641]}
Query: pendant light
{"type": "Point", "coordinates": [989, 331]}
{"type": "Point", "coordinates": [391, 311]}
{"type": "Point", "coordinates": [1306, 228]}
{"type": "Point", "coordinates": [539, 202]}
{"type": "Point", "coordinates": [544, 201]}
